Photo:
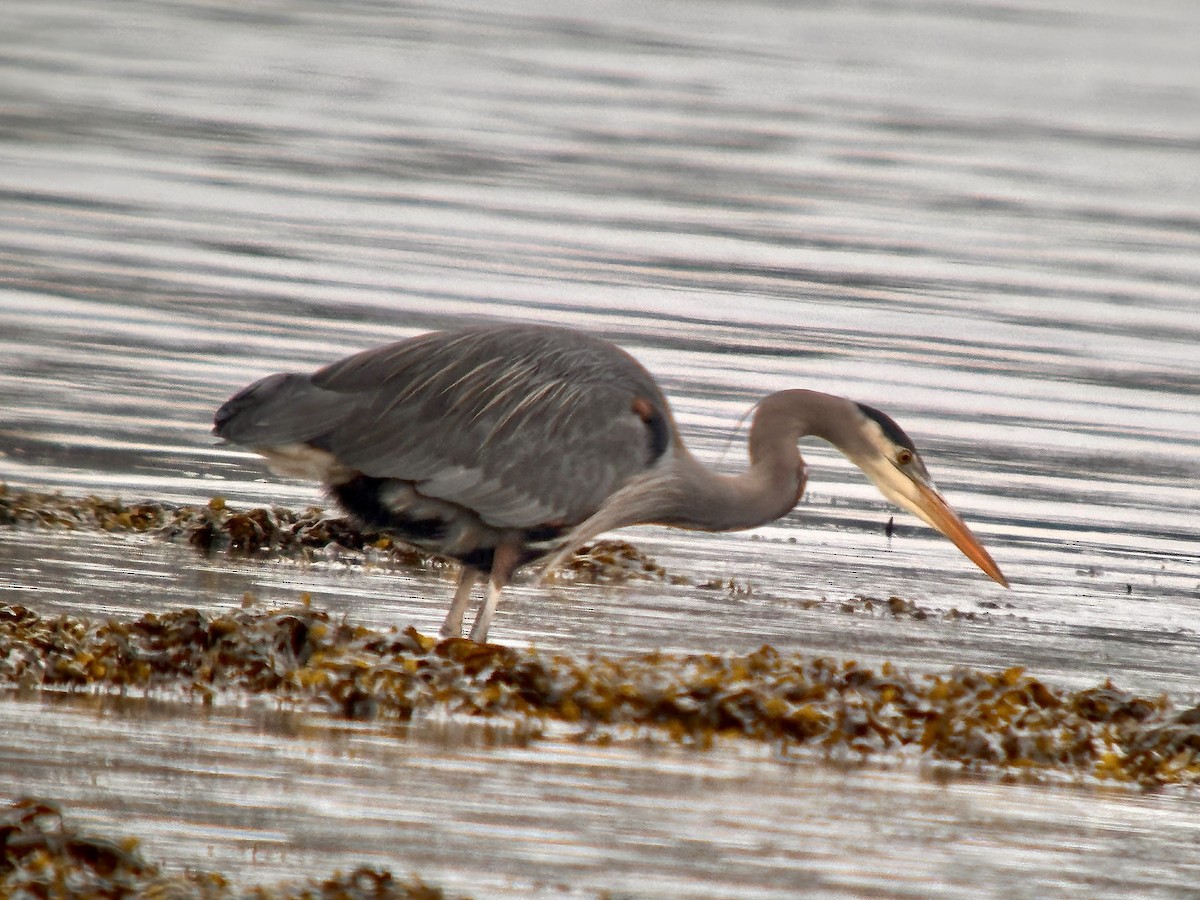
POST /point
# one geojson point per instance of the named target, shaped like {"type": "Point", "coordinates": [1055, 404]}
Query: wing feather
{"type": "Point", "coordinates": [523, 425]}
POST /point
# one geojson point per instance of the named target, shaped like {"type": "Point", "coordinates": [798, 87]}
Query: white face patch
{"type": "Point", "coordinates": [893, 464]}
{"type": "Point", "coordinates": [879, 441]}
{"type": "Point", "coordinates": [894, 445]}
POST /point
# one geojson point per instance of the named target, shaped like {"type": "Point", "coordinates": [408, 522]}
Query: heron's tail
{"type": "Point", "coordinates": [279, 409]}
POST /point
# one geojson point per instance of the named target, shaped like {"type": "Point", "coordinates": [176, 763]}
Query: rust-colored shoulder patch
{"type": "Point", "coordinates": [656, 423]}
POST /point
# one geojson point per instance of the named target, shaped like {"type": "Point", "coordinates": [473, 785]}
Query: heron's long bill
{"type": "Point", "coordinates": [929, 505]}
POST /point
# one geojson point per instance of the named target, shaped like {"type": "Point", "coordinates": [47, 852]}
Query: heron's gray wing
{"type": "Point", "coordinates": [524, 426]}
{"type": "Point", "coordinates": [279, 410]}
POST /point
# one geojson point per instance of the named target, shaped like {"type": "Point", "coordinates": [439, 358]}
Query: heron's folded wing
{"type": "Point", "coordinates": [278, 410]}
{"type": "Point", "coordinates": [521, 433]}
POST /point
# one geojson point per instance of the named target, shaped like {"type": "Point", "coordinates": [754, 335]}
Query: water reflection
{"type": "Point", "coordinates": [979, 219]}
{"type": "Point", "coordinates": [441, 797]}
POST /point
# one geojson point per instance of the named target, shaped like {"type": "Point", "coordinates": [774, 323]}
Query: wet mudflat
{"type": "Point", "coordinates": [981, 220]}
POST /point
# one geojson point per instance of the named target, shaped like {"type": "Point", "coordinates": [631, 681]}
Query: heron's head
{"type": "Point", "coordinates": [889, 458]}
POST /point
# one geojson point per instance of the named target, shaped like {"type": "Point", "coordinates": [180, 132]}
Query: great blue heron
{"type": "Point", "coordinates": [501, 445]}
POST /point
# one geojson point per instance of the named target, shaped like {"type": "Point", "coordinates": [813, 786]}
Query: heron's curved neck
{"type": "Point", "coordinates": [775, 479]}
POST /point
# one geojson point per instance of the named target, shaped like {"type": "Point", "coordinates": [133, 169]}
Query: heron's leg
{"type": "Point", "coordinates": [452, 627]}
{"type": "Point", "coordinates": [503, 564]}
{"type": "Point", "coordinates": [483, 619]}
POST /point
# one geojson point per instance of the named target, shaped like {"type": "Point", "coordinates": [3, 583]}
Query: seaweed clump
{"type": "Point", "coordinates": [276, 531]}
{"type": "Point", "coordinates": [209, 528]}
{"type": "Point", "coordinates": [1007, 723]}
{"type": "Point", "coordinates": [315, 534]}
{"type": "Point", "coordinates": [44, 855]}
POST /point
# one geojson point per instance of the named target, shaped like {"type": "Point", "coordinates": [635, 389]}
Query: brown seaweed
{"type": "Point", "coordinates": [1008, 722]}
{"type": "Point", "coordinates": [44, 855]}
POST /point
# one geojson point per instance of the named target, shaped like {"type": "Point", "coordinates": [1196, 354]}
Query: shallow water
{"type": "Point", "coordinates": [474, 813]}
{"type": "Point", "coordinates": [981, 219]}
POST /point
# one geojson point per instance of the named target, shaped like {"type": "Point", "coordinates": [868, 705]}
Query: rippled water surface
{"type": "Point", "coordinates": [982, 218]}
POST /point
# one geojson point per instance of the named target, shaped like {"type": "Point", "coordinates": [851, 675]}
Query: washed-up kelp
{"type": "Point", "coordinates": [1003, 722]}
{"type": "Point", "coordinates": [314, 534]}
{"type": "Point", "coordinates": [276, 531]}
{"type": "Point", "coordinates": [44, 855]}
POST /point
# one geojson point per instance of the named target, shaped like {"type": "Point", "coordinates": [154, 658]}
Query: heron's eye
{"type": "Point", "coordinates": [903, 457]}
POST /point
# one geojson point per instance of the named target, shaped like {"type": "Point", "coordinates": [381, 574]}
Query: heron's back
{"type": "Point", "coordinates": [455, 438]}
